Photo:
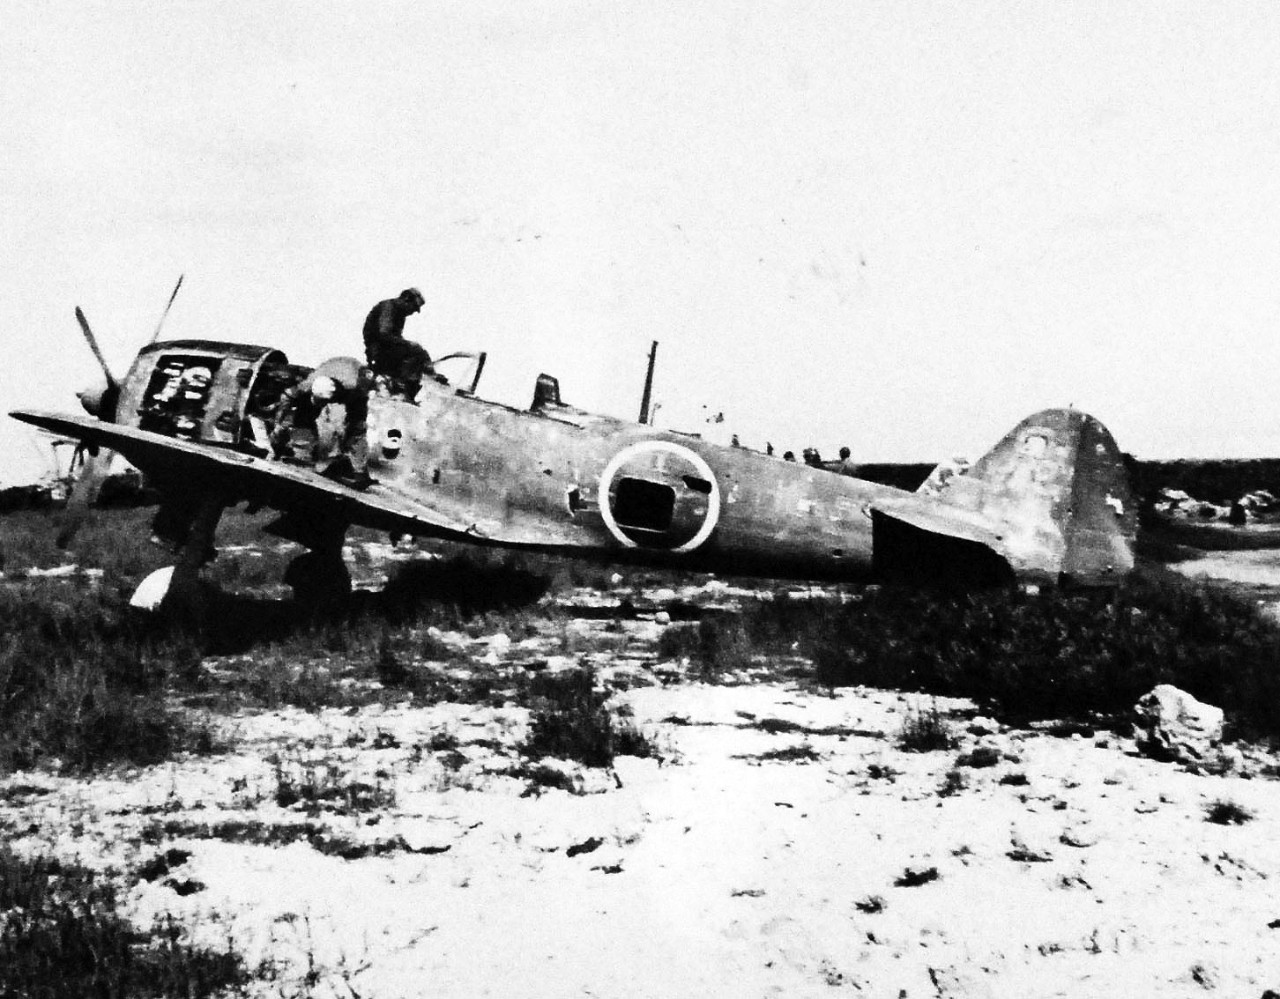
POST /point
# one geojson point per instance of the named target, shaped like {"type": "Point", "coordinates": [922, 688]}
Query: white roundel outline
{"type": "Point", "coordinates": [644, 447]}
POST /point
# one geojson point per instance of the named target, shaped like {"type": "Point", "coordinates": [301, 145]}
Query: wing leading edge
{"type": "Point", "coordinates": [190, 466]}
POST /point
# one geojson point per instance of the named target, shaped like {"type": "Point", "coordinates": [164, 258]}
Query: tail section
{"type": "Point", "coordinates": [1051, 500]}
{"type": "Point", "coordinates": [1058, 485]}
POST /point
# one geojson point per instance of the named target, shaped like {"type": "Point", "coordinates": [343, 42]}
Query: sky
{"type": "Point", "coordinates": [900, 227]}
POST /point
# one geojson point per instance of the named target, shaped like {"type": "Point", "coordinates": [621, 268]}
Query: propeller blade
{"type": "Point", "coordinates": [93, 345]}
{"type": "Point", "coordinates": [165, 315]}
{"type": "Point", "coordinates": [85, 490]}
{"type": "Point", "coordinates": [79, 456]}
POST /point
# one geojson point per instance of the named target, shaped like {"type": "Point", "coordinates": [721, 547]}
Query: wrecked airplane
{"type": "Point", "coordinates": [1050, 503]}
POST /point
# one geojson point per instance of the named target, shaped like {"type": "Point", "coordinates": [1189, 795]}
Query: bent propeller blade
{"type": "Point", "coordinates": [97, 352]}
{"type": "Point", "coordinates": [83, 493]}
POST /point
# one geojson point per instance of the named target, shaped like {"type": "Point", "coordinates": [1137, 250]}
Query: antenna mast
{"type": "Point", "coordinates": [648, 384]}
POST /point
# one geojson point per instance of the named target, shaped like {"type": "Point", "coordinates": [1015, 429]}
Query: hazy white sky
{"type": "Point", "coordinates": [897, 226]}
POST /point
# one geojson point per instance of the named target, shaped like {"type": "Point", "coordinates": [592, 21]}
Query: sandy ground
{"type": "Point", "coordinates": [1252, 568]}
{"type": "Point", "coordinates": [784, 847]}
{"type": "Point", "coordinates": [1251, 574]}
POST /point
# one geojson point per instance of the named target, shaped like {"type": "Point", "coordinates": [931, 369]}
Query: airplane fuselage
{"type": "Point", "coordinates": [593, 483]}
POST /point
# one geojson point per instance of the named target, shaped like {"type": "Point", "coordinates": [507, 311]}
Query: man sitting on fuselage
{"type": "Point", "coordinates": [389, 354]}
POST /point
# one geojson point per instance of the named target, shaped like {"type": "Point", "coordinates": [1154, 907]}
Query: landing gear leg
{"type": "Point", "coordinates": [320, 579]}
{"type": "Point", "coordinates": [185, 602]}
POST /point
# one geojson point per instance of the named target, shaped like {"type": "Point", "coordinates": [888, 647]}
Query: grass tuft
{"type": "Point", "coordinates": [925, 731]}
{"type": "Point", "coordinates": [1227, 813]}
{"type": "Point", "coordinates": [797, 753]}
{"type": "Point", "coordinates": [314, 787]}
{"type": "Point", "coordinates": [979, 757]}
{"type": "Point", "coordinates": [570, 721]}
{"type": "Point", "coordinates": [718, 645]}
{"type": "Point", "coordinates": [63, 938]}
{"type": "Point", "coordinates": [913, 877]}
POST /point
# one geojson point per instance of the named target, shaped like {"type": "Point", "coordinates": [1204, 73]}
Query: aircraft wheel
{"type": "Point", "coordinates": [319, 579]}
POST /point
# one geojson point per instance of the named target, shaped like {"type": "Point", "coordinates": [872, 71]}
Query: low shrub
{"type": "Point", "coordinates": [979, 757]}
{"type": "Point", "coordinates": [925, 731]}
{"type": "Point", "coordinates": [1227, 813]}
{"type": "Point", "coordinates": [570, 721]}
{"type": "Point", "coordinates": [914, 877]}
{"type": "Point", "coordinates": [953, 782]}
{"type": "Point", "coordinates": [541, 776]}
{"type": "Point", "coordinates": [717, 644]}
{"type": "Point", "coordinates": [798, 753]}
{"type": "Point", "coordinates": [722, 643]}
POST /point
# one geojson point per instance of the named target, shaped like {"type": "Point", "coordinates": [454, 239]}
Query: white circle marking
{"type": "Point", "coordinates": [642, 447]}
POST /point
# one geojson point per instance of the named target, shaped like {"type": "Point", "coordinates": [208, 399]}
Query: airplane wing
{"type": "Point", "coordinates": [197, 467]}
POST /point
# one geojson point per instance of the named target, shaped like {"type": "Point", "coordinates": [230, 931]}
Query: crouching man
{"type": "Point", "coordinates": [329, 407]}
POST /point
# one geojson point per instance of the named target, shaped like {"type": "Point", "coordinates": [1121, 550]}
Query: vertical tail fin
{"type": "Point", "coordinates": [1055, 492]}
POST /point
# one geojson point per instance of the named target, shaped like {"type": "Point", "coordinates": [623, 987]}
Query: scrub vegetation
{"type": "Point", "coordinates": [64, 938]}
{"type": "Point", "coordinates": [81, 684]}
{"type": "Point", "coordinates": [84, 682]}
{"type": "Point", "coordinates": [1023, 656]}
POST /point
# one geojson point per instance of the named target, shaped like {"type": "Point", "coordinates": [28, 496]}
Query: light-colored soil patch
{"type": "Point", "coordinates": [783, 846]}
{"type": "Point", "coordinates": [1256, 568]}
{"type": "Point", "coordinates": [1071, 867]}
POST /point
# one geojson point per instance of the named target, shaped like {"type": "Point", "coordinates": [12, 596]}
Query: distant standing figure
{"type": "Point", "coordinates": [388, 352]}
{"type": "Point", "coordinates": [847, 465]}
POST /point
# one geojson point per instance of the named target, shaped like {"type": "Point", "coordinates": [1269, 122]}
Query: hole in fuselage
{"type": "Point", "coordinates": [649, 506]}
{"type": "Point", "coordinates": [698, 485]}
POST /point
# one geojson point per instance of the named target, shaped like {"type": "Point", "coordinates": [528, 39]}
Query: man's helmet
{"type": "Point", "coordinates": [324, 388]}
{"type": "Point", "coordinates": [413, 297]}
